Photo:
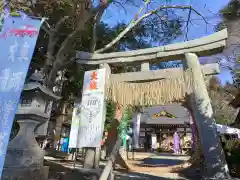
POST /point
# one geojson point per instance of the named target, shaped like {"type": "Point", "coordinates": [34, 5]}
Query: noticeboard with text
{"type": "Point", "coordinates": [89, 116]}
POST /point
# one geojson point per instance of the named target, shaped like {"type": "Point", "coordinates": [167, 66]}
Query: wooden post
{"type": "Point", "coordinates": [109, 166]}
{"type": "Point", "coordinates": [111, 175]}
{"type": "Point", "coordinates": [213, 153]}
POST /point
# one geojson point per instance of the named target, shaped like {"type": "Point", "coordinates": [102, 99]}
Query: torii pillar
{"type": "Point", "coordinates": [216, 166]}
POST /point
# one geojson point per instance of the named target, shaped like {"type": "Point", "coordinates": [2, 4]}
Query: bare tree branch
{"type": "Point", "coordinates": [120, 4]}
{"type": "Point", "coordinates": [138, 20]}
{"type": "Point", "coordinates": [46, 27]}
{"type": "Point", "coordinates": [96, 20]}
{"type": "Point", "coordinates": [60, 23]}
{"type": "Point", "coordinates": [187, 28]}
{"type": "Point", "coordinates": [134, 20]}
{"type": "Point", "coordinates": [142, 9]}
{"type": "Point", "coordinates": [62, 53]}
{"type": "Point", "coordinates": [53, 39]}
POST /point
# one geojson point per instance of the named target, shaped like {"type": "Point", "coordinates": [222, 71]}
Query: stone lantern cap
{"type": "Point", "coordinates": [35, 82]}
{"type": "Point", "coordinates": [31, 86]}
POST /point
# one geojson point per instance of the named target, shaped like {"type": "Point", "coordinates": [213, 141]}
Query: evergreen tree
{"type": "Point", "coordinates": [220, 97]}
{"type": "Point", "coordinates": [231, 20]}
{"type": "Point", "coordinates": [110, 114]}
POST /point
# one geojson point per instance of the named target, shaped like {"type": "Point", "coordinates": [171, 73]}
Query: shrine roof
{"type": "Point", "coordinates": [166, 114]}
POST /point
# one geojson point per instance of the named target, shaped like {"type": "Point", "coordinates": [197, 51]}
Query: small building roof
{"type": "Point", "coordinates": [165, 115]}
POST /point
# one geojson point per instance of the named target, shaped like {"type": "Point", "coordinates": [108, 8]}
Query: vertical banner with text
{"type": "Point", "coordinates": [73, 138]}
{"type": "Point", "coordinates": [18, 38]}
{"type": "Point", "coordinates": [91, 117]}
{"type": "Point", "coordinates": [136, 130]}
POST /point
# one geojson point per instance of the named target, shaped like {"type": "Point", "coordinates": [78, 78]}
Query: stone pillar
{"type": "Point", "coordinates": [24, 159]}
{"type": "Point", "coordinates": [145, 66]}
{"type": "Point", "coordinates": [212, 150]}
{"type": "Point", "coordinates": [197, 155]}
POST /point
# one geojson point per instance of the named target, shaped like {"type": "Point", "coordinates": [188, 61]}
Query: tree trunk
{"type": "Point", "coordinates": [59, 122]}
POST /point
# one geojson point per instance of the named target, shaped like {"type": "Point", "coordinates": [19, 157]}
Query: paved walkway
{"type": "Point", "coordinates": [148, 166]}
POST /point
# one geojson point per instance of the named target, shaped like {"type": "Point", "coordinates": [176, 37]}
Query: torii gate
{"type": "Point", "coordinates": [193, 84]}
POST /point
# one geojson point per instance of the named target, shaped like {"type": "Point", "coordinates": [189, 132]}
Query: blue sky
{"type": "Point", "coordinates": [208, 8]}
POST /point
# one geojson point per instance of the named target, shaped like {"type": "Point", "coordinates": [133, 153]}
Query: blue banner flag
{"type": "Point", "coordinates": [18, 38]}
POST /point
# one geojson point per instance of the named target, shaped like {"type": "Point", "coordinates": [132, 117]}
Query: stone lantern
{"type": "Point", "coordinates": [24, 159]}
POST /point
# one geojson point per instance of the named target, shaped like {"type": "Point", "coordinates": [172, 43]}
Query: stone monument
{"type": "Point", "coordinates": [24, 159]}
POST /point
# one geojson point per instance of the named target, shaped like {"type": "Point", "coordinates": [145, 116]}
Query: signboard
{"type": "Point", "coordinates": [91, 116]}
{"type": "Point", "coordinates": [75, 125]}
{"type": "Point", "coordinates": [17, 40]}
{"type": "Point", "coordinates": [154, 141]}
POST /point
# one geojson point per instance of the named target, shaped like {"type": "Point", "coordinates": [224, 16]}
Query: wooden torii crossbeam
{"type": "Point", "coordinates": [192, 71]}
